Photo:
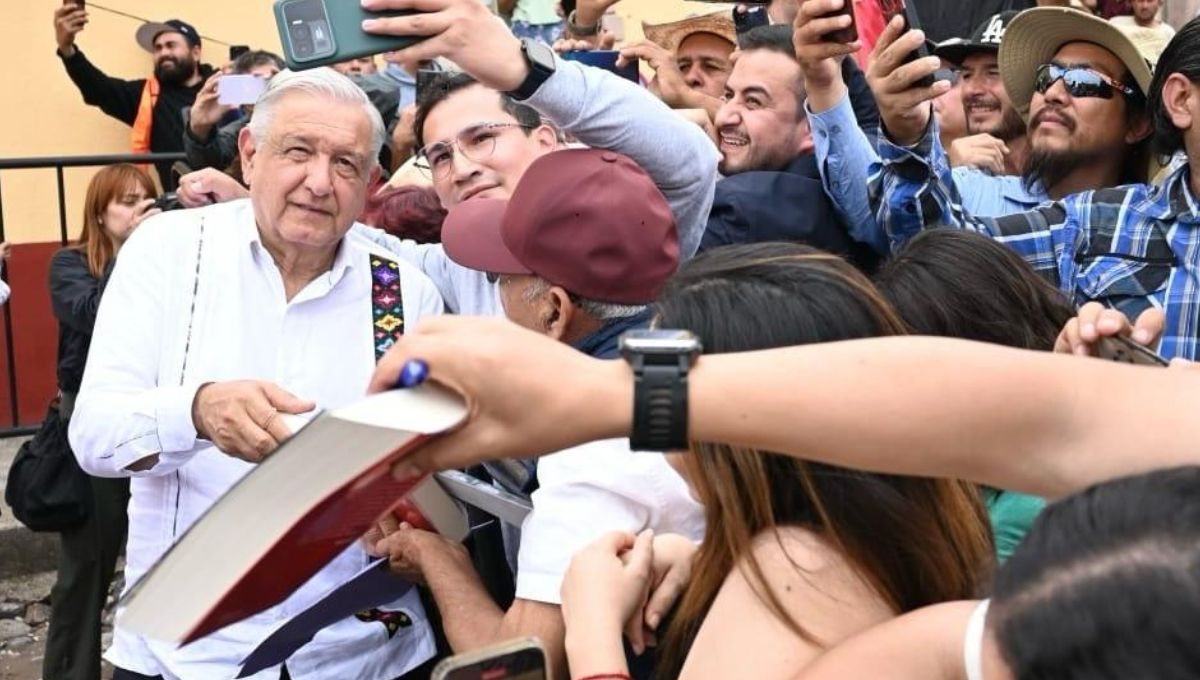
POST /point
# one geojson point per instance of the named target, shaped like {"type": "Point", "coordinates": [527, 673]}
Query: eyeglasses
{"type": "Point", "coordinates": [477, 143]}
{"type": "Point", "coordinates": [1081, 82]}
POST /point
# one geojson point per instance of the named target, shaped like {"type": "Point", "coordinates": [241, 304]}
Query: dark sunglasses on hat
{"type": "Point", "coordinates": [1081, 82]}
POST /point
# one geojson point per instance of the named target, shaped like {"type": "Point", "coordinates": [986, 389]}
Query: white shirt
{"type": "Point", "coordinates": [587, 491]}
{"type": "Point", "coordinates": [166, 325]}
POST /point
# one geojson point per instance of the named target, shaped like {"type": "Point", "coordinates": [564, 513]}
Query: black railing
{"type": "Point", "coordinates": [58, 163]}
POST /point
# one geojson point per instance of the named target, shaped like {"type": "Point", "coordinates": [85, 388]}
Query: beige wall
{"type": "Point", "coordinates": [44, 114]}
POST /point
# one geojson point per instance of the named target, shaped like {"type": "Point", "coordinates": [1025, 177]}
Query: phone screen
{"type": "Point", "coordinates": [750, 19]}
{"type": "Point", "coordinates": [239, 90]}
{"type": "Point", "coordinates": [605, 59]}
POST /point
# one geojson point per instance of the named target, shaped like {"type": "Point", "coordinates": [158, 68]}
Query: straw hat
{"type": "Point", "coordinates": [670, 35]}
{"type": "Point", "coordinates": [1035, 36]}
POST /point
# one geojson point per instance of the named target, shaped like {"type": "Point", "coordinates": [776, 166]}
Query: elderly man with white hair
{"type": "Point", "coordinates": [216, 321]}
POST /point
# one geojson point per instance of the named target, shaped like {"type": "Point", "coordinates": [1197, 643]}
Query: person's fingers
{"type": "Point", "coordinates": [903, 80]}
{"type": "Point", "coordinates": [247, 439]}
{"type": "Point", "coordinates": [815, 29]}
{"type": "Point", "coordinates": [1149, 326]}
{"type": "Point", "coordinates": [426, 22]}
{"type": "Point", "coordinates": [1068, 338]}
{"type": "Point", "coordinates": [1088, 316]}
{"type": "Point", "coordinates": [640, 556]}
{"type": "Point", "coordinates": [881, 63]}
{"type": "Point", "coordinates": [418, 5]}
{"type": "Point", "coordinates": [284, 401]}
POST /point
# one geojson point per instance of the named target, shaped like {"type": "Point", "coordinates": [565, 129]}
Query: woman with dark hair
{"type": "Point", "coordinates": [118, 199]}
{"type": "Point", "coordinates": [960, 284]}
{"type": "Point", "coordinates": [1105, 587]}
{"type": "Point", "coordinates": [797, 555]}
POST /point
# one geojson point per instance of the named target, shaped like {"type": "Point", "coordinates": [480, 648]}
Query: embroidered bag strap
{"type": "Point", "coordinates": [387, 304]}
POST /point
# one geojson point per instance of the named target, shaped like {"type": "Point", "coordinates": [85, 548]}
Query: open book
{"type": "Point", "coordinates": [291, 515]}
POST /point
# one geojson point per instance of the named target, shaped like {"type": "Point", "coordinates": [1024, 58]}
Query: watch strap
{"type": "Point", "coordinates": [582, 31]}
{"type": "Point", "coordinates": [538, 73]}
{"type": "Point", "coordinates": [660, 408]}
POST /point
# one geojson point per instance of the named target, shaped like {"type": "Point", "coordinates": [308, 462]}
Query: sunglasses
{"type": "Point", "coordinates": [1081, 82]}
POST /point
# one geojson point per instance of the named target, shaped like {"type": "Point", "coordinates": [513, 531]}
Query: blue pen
{"type": "Point", "coordinates": [413, 373]}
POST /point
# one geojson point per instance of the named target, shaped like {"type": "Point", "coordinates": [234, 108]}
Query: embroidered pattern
{"type": "Point", "coordinates": [387, 305]}
{"type": "Point", "coordinates": [393, 621]}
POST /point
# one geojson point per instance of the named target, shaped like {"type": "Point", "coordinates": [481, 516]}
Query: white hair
{"type": "Point", "coordinates": [319, 82]}
{"type": "Point", "coordinates": [601, 311]}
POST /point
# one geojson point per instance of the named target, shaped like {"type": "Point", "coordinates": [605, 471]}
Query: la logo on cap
{"type": "Point", "coordinates": [994, 32]}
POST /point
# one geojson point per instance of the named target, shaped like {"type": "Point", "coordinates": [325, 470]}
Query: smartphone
{"type": "Point", "coordinates": [1123, 350]}
{"type": "Point", "coordinates": [845, 35]}
{"type": "Point", "coordinates": [522, 659]}
{"type": "Point", "coordinates": [893, 8]}
{"type": "Point", "coordinates": [239, 90]}
{"type": "Point", "coordinates": [605, 59]}
{"type": "Point", "coordinates": [323, 32]}
{"type": "Point", "coordinates": [750, 19]}
{"type": "Point", "coordinates": [236, 51]}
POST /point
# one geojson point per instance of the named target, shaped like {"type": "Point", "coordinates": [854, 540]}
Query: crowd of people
{"type": "Point", "coordinates": [780, 481]}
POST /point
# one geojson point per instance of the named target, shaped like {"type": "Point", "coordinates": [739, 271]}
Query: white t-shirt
{"type": "Point", "coordinates": [587, 491]}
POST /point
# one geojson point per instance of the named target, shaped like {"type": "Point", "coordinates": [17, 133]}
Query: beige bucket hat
{"type": "Point", "coordinates": [669, 36]}
{"type": "Point", "coordinates": [1035, 36]}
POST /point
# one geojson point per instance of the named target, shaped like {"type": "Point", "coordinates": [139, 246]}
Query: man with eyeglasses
{"type": "Point", "coordinates": [1073, 143]}
{"type": "Point", "coordinates": [1135, 248]}
{"type": "Point", "coordinates": [478, 132]}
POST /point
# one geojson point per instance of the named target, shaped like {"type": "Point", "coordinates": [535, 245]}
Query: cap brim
{"type": "Point", "coordinates": [1036, 35]}
{"type": "Point", "coordinates": [147, 32]}
{"type": "Point", "coordinates": [471, 237]}
{"type": "Point", "coordinates": [958, 52]}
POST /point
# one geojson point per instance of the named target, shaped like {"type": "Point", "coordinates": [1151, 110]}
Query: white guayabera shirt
{"type": "Point", "coordinates": [195, 298]}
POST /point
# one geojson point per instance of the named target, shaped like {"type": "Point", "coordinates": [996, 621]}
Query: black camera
{"type": "Point", "coordinates": [168, 201]}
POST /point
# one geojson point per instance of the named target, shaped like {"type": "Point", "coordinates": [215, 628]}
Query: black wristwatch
{"type": "Point", "coordinates": [660, 360]}
{"type": "Point", "coordinates": [540, 59]}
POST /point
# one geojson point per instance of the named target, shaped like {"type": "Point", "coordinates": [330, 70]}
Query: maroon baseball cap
{"type": "Point", "coordinates": [589, 220]}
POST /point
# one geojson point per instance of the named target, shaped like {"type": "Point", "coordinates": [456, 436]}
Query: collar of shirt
{"type": "Point", "coordinates": [252, 237]}
{"type": "Point", "coordinates": [604, 343]}
{"type": "Point", "coordinates": [1173, 201]}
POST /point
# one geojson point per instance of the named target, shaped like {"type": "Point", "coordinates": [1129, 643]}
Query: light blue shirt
{"type": "Point", "coordinates": [846, 159]}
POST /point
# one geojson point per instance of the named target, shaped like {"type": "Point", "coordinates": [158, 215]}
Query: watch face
{"type": "Point", "coordinates": [540, 54]}
{"type": "Point", "coordinates": [660, 342]}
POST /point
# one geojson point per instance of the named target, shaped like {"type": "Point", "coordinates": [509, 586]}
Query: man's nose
{"type": "Point", "coordinates": [318, 178]}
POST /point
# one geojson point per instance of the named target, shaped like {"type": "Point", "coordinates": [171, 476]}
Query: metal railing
{"type": "Point", "coordinates": [58, 163]}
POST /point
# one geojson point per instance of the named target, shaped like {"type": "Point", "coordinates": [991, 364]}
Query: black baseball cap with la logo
{"type": "Point", "coordinates": [148, 32]}
{"type": "Point", "coordinates": [986, 38]}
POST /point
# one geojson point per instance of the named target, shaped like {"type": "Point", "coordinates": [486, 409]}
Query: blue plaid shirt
{"type": "Point", "coordinates": [1131, 247]}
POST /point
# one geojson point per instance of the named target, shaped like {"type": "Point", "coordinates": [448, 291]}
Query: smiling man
{"type": "Point", "coordinates": [772, 189]}
{"type": "Point", "coordinates": [997, 141]}
{"type": "Point", "coordinates": [152, 106]}
{"type": "Point", "coordinates": [214, 322]}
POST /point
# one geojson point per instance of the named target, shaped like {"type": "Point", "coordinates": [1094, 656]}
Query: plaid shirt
{"type": "Point", "coordinates": [1131, 247]}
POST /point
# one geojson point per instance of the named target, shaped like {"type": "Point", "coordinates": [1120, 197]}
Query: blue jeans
{"type": "Point", "coordinates": [546, 33]}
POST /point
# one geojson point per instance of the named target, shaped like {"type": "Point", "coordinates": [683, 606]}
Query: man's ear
{"type": "Point", "coordinates": [1179, 100]}
{"type": "Point", "coordinates": [546, 138]}
{"type": "Point", "coordinates": [805, 144]}
{"type": "Point", "coordinates": [374, 175]}
{"type": "Point", "coordinates": [557, 313]}
{"type": "Point", "coordinates": [248, 151]}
